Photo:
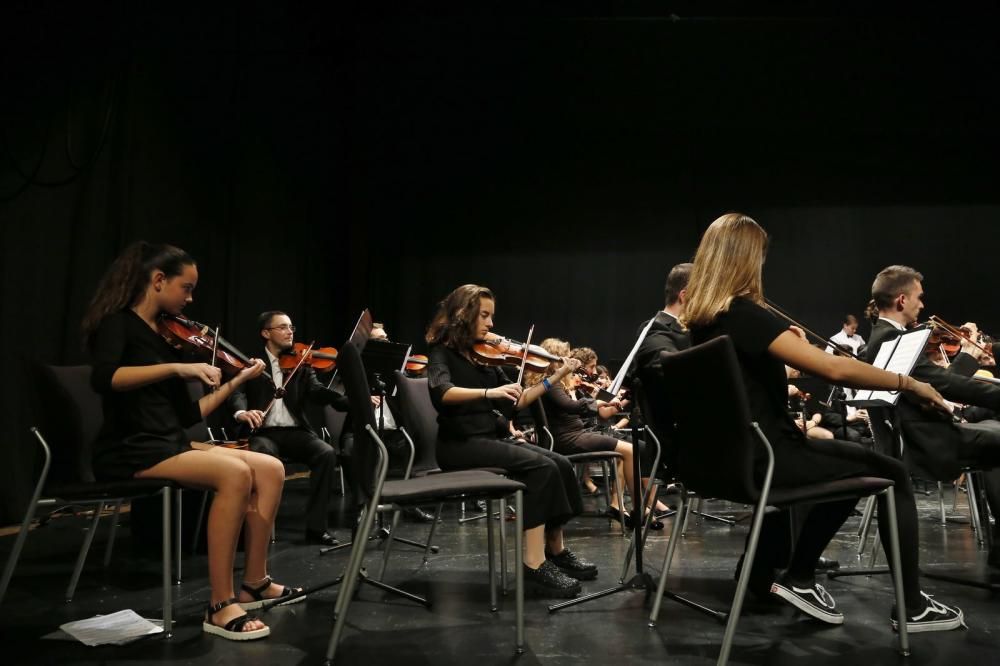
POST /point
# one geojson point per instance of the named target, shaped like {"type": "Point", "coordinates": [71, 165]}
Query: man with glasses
{"type": "Point", "coordinates": [276, 413]}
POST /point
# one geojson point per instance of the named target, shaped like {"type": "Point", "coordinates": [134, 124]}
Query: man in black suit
{"type": "Point", "coordinates": [936, 446]}
{"type": "Point", "coordinates": [284, 430]}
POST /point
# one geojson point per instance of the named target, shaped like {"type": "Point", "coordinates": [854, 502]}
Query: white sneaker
{"type": "Point", "coordinates": [934, 617]}
{"type": "Point", "coordinates": [814, 601]}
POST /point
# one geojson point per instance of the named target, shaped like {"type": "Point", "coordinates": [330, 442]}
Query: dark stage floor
{"type": "Point", "coordinates": [459, 628]}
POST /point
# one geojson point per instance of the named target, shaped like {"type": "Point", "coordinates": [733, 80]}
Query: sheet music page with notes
{"type": "Point", "coordinates": [899, 356]}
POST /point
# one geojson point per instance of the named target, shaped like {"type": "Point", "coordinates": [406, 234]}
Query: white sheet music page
{"type": "Point", "coordinates": [898, 355]}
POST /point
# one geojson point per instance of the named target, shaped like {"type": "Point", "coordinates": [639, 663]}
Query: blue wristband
{"type": "Point", "coordinates": [546, 384]}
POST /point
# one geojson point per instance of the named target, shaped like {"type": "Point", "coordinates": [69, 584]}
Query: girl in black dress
{"type": "Point", "coordinates": [725, 297]}
{"type": "Point", "coordinates": [474, 403]}
{"type": "Point", "coordinates": [147, 407]}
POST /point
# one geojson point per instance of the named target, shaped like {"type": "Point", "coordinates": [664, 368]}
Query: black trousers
{"type": "Point", "coordinates": [552, 496]}
{"type": "Point", "coordinates": [302, 446]}
{"type": "Point", "coordinates": [980, 450]}
{"type": "Point", "coordinates": [813, 461]}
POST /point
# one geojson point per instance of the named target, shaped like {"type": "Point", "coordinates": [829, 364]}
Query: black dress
{"type": "Point", "coordinates": [143, 426]}
{"type": "Point", "coordinates": [475, 434]}
{"type": "Point", "coordinates": [565, 419]}
{"type": "Point", "coordinates": [800, 460]}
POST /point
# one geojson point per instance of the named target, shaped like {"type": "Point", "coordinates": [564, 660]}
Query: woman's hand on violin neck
{"type": "Point", "coordinates": [203, 372]}
{"type": "Point", "coordinates": [509, 391]}
{"type": "Point", "coordinates": [568, 365]}
{"type": "Point", "coordinates": [255, 369]}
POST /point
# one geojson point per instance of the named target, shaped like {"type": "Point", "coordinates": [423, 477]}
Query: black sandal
{"type": "Point", "coordinates": [233, 630]}
{"type": "Point", "coordinates": [259, 599]}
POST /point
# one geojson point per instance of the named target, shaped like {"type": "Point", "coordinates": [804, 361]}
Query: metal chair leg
{"type": "Point", "coordinates": [519, 573]}
{"type": "Point", "coordinates": [866, 523]}
{"type": "Point", "coordinates": [112, 533]}
{"type": "Point", "coordinates": [974, 518]}
{"type": "Point", "coordinates": [491, 558]}
{"type": "Point", "coordinates": [503, 546]}
{"type": "Point", "coordinates": [178, 517]}
{"type": "Point", "coordinates": [897, 572]}
{"type": "Point", "coordinates": [430, 533]}
{"type": "Point", "coordinates": [944, 517]}
{"type": "Point", "coordinates": [168, 604]}
{"type": "Point", "coordinates": [667, 559]}
{"type": "Point", "coordinates": [350, 582]}
{"type": "Point", "coordinates": [81, 558]}
{"type": "Point", "coordinates": [389, 541]}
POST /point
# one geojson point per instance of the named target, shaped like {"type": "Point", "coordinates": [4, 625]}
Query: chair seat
{"type": "Point", "coordinates": [448, 485]}
{"type": "Point", "coordinates": [829, 491]}
{"type": "Point", "coordinates": [106, 489]}
{"type": "Point", "coordinates": [593, 455]}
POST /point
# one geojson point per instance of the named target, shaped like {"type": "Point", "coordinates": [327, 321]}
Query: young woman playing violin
{"type": "Point", "coordinates": [565, 415]}
{"type": "Point", "coordinates": [147, 406]}
{"type": "Point", "coordinates": [725, 297]}
{"type": "Point", "coordinates": [473, 403]}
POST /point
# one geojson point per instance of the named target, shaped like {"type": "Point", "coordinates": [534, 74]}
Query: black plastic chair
{"type": "Point", "coordinates": [370, 462]}
{"type": "Point", "coordinates": [607, 459]}
{"type": "Point", "coordinates": [701, 379]}
{"type": "Point", "coordinates": [67, 476]}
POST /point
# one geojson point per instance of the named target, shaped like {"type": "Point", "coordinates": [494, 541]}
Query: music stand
{"type": "Point", "coordinates": [641, 580]}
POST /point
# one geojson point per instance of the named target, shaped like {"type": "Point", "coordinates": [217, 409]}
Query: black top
{"type": "Point", "coordinates": [563, 412]}
{"type": "Point", "coordinates": [447, 369]}
{"type": "Point", "coordinates": [149, 420]}
{"type": "Point", "coordinates": [665, 334]}
{"type": "Point", "coordinates": [752, 330]}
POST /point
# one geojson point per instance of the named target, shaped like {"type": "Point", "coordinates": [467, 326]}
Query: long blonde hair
{"type": "Point", "coordinates": [728, 263]}
{"type": "Point", "coordinates": [553, 346]}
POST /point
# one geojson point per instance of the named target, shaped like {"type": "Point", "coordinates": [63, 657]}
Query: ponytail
{"type": "Point", "coordinates": [125, 281]}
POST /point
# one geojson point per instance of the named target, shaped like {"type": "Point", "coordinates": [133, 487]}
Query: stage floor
{"type": "Point", "coordinates": [460, 629]}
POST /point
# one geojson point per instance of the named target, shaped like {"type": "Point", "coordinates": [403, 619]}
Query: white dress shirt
{"type": "Point", "coordinates": [278, 416]}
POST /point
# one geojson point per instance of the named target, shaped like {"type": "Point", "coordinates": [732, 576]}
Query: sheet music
{"type": "Point", "coordinates": [117, 628]}
{"type": "Point", "coordinates": [899, 356]}
{"type": "Point", "coordinates": [616, 385]}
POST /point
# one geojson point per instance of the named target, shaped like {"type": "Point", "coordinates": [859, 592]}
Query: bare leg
{"type": "Point", "coordinates": [554, 541]}
{"type": "Point", "coordinates": [534, 547]}
{"type": "Point", "coordinates": [625, 449]}
{"type": "Point", "coordinates": [230, 479]}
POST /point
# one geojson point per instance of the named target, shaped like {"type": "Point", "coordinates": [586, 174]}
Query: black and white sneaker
{"type": "Point", "coordinates": [934, 617]}
{"type": "Point", "coordinates": [813, 600]}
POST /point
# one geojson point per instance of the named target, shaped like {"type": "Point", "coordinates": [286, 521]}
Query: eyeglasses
{"type": "Point", "coordinates": [283, 327]}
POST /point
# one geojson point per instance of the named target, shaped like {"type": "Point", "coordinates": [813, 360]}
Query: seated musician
{"type": "Point", "coordinates": [564, 415]}
{"type": "Point", "coordinates": [280, 426]}
{"type": "Point", "coordinates": [141, 379]}
{"type": "Point", "coordinates": [798, 406]}
{"type": "Point", "coordinates": [938, 447]}
{"type": "Point", "coordinates": [474, 402]}
{"type": "Point", "coordinates": [725, 297]}
{"type": "Point", "coordinates": [847, 337]}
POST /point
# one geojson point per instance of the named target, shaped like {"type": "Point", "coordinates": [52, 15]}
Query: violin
{"type": "Point", "coordinates": [498, 350]}
{"type": "Point", "coordinates": [321, 359]}
{"type": "Point", "coordinates": [950, 338]}
{"type": "Point", "coordinates": [415, 364]}
{"type": "Point", "coordinates": [193, 336]}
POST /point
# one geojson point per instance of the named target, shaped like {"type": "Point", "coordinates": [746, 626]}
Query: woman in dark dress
{"type": "Point", "coordinates": [147, 407]}
{"type": "Point", "coordinates": [725, 297]}
{"type": "Point", "coordinates": [474, 404]}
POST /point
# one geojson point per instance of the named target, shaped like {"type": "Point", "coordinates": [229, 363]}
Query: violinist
{"type": "Point", "coordinates": [725, 297]}
{"type": "Point", "coordinates": [474, 403]}
{"type": "Point", "coordinates": [141, 379]}
{"type": "Point", "coordinates": [939, 447]}
{"type": "Point", "coordinates": [565, 416]}
{"type": "Point", "coordinates": [279, 422]}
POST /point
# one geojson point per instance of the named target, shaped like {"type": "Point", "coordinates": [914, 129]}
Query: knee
{"type": "Point", "coordinates": [237, 480]}
{"type": "Point", "coordinates": [274, 470]}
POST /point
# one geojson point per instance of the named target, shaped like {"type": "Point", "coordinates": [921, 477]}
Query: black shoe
{"type": "Point", "coordinates": [935, 616]}
{"type": "Point", "coordinates": [323, 538]}
{"type": "Point", "coordinates": [548, 581]}
{"type": "Point", "coordinates": [418, 515]}
{"type": "Point", "coordinates": [826, 564]}
{"type": "Point", "coordinates": [812, 599]}
{"type": "Point", "coordinates": [573, 566]}
{"type": "Point", "coordinates": [616, 514]}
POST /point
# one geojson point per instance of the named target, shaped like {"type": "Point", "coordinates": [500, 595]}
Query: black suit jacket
{"type": "Point", "coordinates": [665, 335]}
{"type": "Point", "coordinates": [304, 387]}
{"type": "Point", "coordinates": [933, 440]}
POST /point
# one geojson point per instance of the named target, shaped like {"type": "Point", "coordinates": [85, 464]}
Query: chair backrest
{"type": "Point", "coordinates": [418, 416]}
{"type": "Point", "coordinates": [334, 421]}
{"type": "Point", "coordinates": [543, 435]}
{"type": "Point", "coordinates": [74, 422]}
{"type": "Point", "coordinates": [715, 443]}
{"type": "Point", "coordinates": [365, 457]}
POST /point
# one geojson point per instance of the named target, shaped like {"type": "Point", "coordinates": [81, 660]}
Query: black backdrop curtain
{"type": "Point", "coordinates": [321, 161]}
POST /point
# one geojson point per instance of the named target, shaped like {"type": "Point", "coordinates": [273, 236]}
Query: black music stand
{"type": "Point", "coordinates": [641, 580]}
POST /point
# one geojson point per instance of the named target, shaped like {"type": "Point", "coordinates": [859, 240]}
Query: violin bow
{"type": "Point", "coordinates": [215, 347]}
{"type": "Point", "coordinates": [816, 336]}
{"type": "Point", "coordinates": [524, 358]}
